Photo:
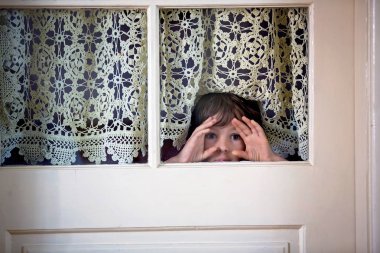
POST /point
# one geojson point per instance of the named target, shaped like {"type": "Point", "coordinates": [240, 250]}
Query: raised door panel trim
{"type": "Point", "coordinates": [221, 239]}
{"type": "Point", "coordinates": [254, 247]}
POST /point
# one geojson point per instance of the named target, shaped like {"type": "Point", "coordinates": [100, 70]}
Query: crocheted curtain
{"type": "Point", "coordinates": [258, 53]}
{"type": "Point", "coordinates": [73, 81]}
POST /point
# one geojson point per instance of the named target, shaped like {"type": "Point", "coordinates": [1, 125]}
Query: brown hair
{"type": "Point", "coordinates": [225, 106]}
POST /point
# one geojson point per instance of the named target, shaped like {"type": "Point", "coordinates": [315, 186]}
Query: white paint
{"type": "Point", "coordinates": [169, 239]}
{"type": "Point", "coordinates": [274, 247]}
{"type": "Point", "coordinates": [146, 3]}
{"type": "Point", "coordinates": [362, 126]}
{"type": "Point", "coordinates": [154, 112]}
{"type": "Point", "coordinates": [62, 206]}
{"type": "Point", "coordinates": [375, 91]}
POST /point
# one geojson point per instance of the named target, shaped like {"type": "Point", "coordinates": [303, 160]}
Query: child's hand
{"type": "Point", "coordinates": [193, 151]}
{"type": "Point", "coordinates": [257, 147]}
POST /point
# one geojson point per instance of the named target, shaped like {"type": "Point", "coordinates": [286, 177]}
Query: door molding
{"type": "Point", "coordinates": [374, 75]}
{"type": "Point", "coordinates": [365, 137]}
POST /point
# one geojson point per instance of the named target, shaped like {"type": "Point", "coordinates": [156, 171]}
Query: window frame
{"type": "Point", "coordinates": [153, 68]}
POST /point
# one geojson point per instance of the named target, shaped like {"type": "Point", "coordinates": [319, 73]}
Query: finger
{"type": "Point", "coordinates": [253, 125]}
{"type": "Point", "coordinates": [242, 128]}
{"type": "Point", "coordinates": [209, 152]}
{"type": "Point", "coordinates": [245, 156]}
{"type": "Point", "coordinates": [206, 123]}
{"type": "Point", "coordinates": [241, 154]}
{"type": "Point", "coordinates": [259, 129]}
{"type": "Point", "coordinates": [200, 133]}
{"type": "Point", "coordinates": [209, 122]}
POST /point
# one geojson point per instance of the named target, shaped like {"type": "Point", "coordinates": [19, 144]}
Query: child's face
{"type": "Point", "coordinates": [226, 139]}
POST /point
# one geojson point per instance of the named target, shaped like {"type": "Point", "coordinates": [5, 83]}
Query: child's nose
{"type": "Point", "coordinates": [223, 144]}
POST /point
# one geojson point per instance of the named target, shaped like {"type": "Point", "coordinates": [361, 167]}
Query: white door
{"type": "Point", "coordinates": [241, 207]}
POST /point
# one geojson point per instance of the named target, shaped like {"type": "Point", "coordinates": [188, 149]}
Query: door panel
{"type": "Point", "coordinates": [239, 207]}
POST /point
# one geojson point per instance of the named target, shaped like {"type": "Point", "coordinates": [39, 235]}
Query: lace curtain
{"type": "Point", "coordinates": [257, 53]}
{"type": "Point", "coordinates": [73, 80]}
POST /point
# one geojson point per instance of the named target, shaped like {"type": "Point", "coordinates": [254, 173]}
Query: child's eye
{"type": "Point", "coordinates": [235, 137]}
{"type": "Point", "coordinates": [210, 136]}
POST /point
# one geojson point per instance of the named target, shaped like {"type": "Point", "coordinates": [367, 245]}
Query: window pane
{"type": "Point", "coordinates": [73, 86]}
{"type": "Point", "coordinates": [258, 54]}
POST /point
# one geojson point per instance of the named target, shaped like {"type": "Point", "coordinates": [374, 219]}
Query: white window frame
{"type": "Point", "coordinates": [153, 104]}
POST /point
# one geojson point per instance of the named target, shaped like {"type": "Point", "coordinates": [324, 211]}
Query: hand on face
{"type": "Point", "coordinates": [257, 147]}
{"type": "Point", "coordinates": [211, 143]}
{"type": "Point", "coordinates": [194, 149]}
{"type": "Point", "coordinates": [239, 140]}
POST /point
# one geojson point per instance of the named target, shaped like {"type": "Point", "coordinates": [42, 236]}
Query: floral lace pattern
{"type": "Point", "coordinates": [73, 80]}
{"type": "Point", "coordinates": [257, 53]}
